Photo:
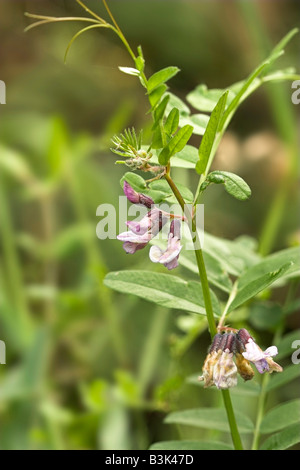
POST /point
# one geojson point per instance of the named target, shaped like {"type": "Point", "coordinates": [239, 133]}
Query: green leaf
{"type": "Point", "coordinates": [251, 289]}
{"type": "Point", "coordinates": [207, 142]}
{"type": "Point", "coordinates": [190, 445]}
{"type": "Point", "coordinates": [140, 61]}
{"type": "Point", "coordinates": [285, 345]}
{"type": "Point", "coordinates": [241, 95]}
{"type": "Point", "coordinates": [265, 316]}
{"type": "Point", "coordinates": [155, 95]}
{"type": "Point", "coordinates": [163, 289]}
{"type": "Point", "coordinates": [289, 373]}
{"type": "Point", "coordinates": [205, 100]}
{"type": "Point", "coordinates": [284, 439]}
{"type": "Point", "coordinates": [157, 142]}
{"type": "Point", "coordinates": [186, 158]}
{"type": "Point", "coordinates": [176, 144]}
{"type": "Point", "coordinates": [198, 121]}
{"type": "Point", "coordinates": [272, 263]}
{"type": "Point", "coordinates": [159, 111]}
{"type": "Point", "coordinates": [234, 184]}
{"type": "Point", "coordinates": [210, 418]}
{"type": "Point", "coordinates": [161, 77]}
{"type": "Point", "coordinates": [130, 71]}
{"type": "Point", "coordinates": [163, 186]}
{"type": "Point", "coordinates": [15, 164]}
{"type": "Point", "coordinates": [189, 154]}
{"type": "Point", "coordinates": [231, 254]}
{"type": "Point", "coordinates": [217, 276]}
{"type": "Point", "coordinates": [176, 102]}
{"type": "Point", "coordinates": [279, 48]}
{"type": "Point", "coordinates": [136, 181]}
{"type": "Point", "coordinates": [172, 121]}
{"type": "Point", "coordinates": [281, 416]}
{"type": "Point", "coordinates": [246, 87]}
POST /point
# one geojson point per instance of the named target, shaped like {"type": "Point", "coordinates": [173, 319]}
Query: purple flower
{"type": "Point", "coordinates": [135, 197]}
{"type": "Point", "coordinates": [169, 257]}
{"type": "Point", "coordinates": [261, 359]}
{"type": "Point", "coordinates": [142, 232]}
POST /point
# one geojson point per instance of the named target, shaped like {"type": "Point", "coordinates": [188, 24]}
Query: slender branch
{"type": "Point", "coordinates": [225, 311]}
{"type": "Point", "coordinates": [82, 31]}
{"type": "Point", "coordinates": [119, 32]}
{"type": "Point", "coordinates": [112, 17]}
{"type": "Point", "coordinates": [92, 13]}
{"type": "Point", "coordinates": [50, 19]}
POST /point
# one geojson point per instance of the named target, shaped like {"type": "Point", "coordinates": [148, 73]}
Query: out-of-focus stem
{"type": "Point", "coordinates": [280, 104]}
{"type": "Point", "coordinates": [13, 276]}
{"type": "Point", "coordinates": [95, 258]}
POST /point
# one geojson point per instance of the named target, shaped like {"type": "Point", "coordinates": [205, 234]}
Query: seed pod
{"type": "Point", "coordinates": [244, 368]}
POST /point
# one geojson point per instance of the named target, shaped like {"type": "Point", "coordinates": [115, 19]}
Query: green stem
{"type": "Point", "coordinates": [235, 435]}
{"type": "Point", "coordinates": [260, 411]}
{"type": "Point", "coordinates": [208, 305]}
{"type": "Point", "coordinates": [225, 311]}
{"type": "Point", "coordinates": [209, 163]}
{"type": "Point", "coordinates": [199, 257]}
{"type": "Point", "coordinates": [119, 32]}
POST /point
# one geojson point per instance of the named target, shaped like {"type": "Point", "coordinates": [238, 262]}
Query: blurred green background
{"type": "Point", "coordinates": [87, 368]}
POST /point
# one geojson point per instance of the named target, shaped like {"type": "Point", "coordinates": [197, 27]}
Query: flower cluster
{"type": "Point", "coordinates": [219, 368]}
{"type": "Point", "coordinates": [148, 227]}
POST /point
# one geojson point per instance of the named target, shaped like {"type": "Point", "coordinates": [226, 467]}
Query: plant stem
{"type": "Point", "coordinates": [260, 411]}
{"type": "Point", "coordinates": [197, 245]}
{"type": "Point", "coordinates": [208, 304]}
{"type": "Point", "coordinates": [199, 257]}
{"type": "Point", "coordinates": [235, 435]}
{"type": "Point", "coordinates": [230, 299]}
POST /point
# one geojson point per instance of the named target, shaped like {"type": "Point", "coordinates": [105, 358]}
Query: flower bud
{"type": "Point", "coordinates": [243, 337]}
{"type": "Point", "coordinates": [216, 342]}
{"type": "Point", "coordinates": [135, 197]}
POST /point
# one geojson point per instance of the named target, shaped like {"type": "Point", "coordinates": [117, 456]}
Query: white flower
{"type": "Point", "coordinates": [261, 359]}
{"type": "Point", "coordinates": [169, 257]}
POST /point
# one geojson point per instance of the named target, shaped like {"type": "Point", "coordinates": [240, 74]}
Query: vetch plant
{"type": "Point", "coordinates": [231, 267]}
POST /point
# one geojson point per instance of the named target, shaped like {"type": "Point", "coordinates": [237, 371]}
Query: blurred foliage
{"type": "Point", "coordinates": [87, 367]}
